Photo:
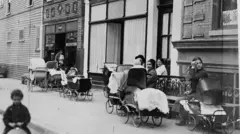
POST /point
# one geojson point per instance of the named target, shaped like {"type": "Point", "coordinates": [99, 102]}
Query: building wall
{"type": "Point", "coordinates": [218, 48]}
{"type": "Point", "coordinates": [16, 53]}
{"type": "Point", "coordinates": [61, 16]}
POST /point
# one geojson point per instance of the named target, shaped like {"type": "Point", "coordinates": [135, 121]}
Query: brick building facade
{"type": "Point", "coordinates": [63, 30]}
{"type": "Point", "coordinates": [209, 30]}
{"type": "Point", "coordinates": [20, 34]}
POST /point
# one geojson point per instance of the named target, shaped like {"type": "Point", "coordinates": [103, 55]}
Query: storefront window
{"type": "Point", "coordinates": [97, 47]}
{"type": "Point", "coordinates": [113, 53]}
{"type": "Point", "coordinates": [134, 39]}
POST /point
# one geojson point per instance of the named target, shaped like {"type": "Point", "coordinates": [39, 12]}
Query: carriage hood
{"type": "Point", "coordinates": [36, 63]}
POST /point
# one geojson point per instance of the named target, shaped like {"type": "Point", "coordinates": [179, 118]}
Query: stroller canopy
{"type": "Point", "coordinates": [36, 63]}
{"type": "Point", "coordinates": [137, 77]}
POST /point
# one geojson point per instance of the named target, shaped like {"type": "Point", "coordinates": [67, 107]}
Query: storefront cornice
{"type": "Point", "coordinates": [212, 66]}
{"type": "Point", "coordinates": [67, 19]}
{"type": "Point", "coordinates": [206, 44]}
{"type": "Point", "coordinates": [120, 19]}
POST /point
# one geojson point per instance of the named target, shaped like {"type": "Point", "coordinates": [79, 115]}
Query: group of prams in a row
{"type": "Point", "coordinates": [132, 100]}
{"type": "Point", "coordinates": [48, 76]}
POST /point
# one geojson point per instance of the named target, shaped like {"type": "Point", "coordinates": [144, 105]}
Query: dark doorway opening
{"type": "Point", "coordinates": [60, 42]}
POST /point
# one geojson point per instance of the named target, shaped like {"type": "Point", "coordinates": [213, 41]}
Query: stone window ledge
{"type": "Point", "coordinates": [223, 32]}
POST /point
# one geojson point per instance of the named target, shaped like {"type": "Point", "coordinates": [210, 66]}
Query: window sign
{"type": "Point", "coordinates": [71, 39]}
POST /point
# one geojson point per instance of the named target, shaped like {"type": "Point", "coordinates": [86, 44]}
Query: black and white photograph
{"type": "Point", "coordinates": [119, 67]}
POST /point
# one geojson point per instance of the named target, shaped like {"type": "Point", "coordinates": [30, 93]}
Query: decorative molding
{"type": "Point", "coordinates": [75, 7]}
{"type": "Point", "coordinates": [211, 66]}
{"type": "Point", "coordinates": [199, 16]}
{"type": "Point", "coordinates": [222, 32]}
{"type": "Point", "coordinates": [187, 19]}
{"type": "Point", "coordinates": [196, 1]}
{"type": "Point", "coordinates": [67, 8]}
{"type": "Point", "coordinates": [187, 31]}
{"type": "Point", "coordinates": [60, 9]}
{"type": "Point", "coordinates": [206, 44]}
{"type": "Point", "coordinates": [53, 12]}
{"type": "Point", "coordinates": [188, 3]}
{"type": "Point", "coordinates": [47, 13]}
{"type": "Point", "coordinates": [198, 31]}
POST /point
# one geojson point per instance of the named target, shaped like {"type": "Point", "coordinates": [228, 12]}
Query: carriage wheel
{"type": "Point", "coordinates": [157, 120]}
{"type": "Point", "coordinates": [228, 126]}
{"type": "Point", "coordinates": [206, 126]}
{"type": "Point", "coordinates": [119, 110]}
{"type": "Point", "coordinates": [105, 91]}
{"type": "Point", "coordinates": [82, 96]}
{"type": "Point", "coordinates": [145, 119]}
{"type": "Point", "coordinates": [125, 112]}
{"type": "Point", "coordinates": [74, 95]}
{"type": "Point", "coordinates": [46, 85]}
{"type": "Point", "coordinates": [191, 123]}
{"type": "Point", "coordinates": [137, 121]}
{"type": "Point", "coordinates": [109, 106]}
{"type": "Point", "coordinates": [65, 91]}
{"type": "Point", "coordinates": [89, 96]}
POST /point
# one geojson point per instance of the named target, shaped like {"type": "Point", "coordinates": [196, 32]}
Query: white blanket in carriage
{"type": "Point", "coordinates": [204, 109]}
{"type": "Point", "coordinates": [151, 99]}
{"type": "Point", "coordinates": [61, 72]}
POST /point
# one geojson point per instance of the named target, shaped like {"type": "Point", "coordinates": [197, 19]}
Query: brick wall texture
{"type": "Point", "coordinates": [14, 53]}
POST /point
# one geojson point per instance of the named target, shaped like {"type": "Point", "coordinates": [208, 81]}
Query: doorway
{"type": "Point", "coordinates": [60, 42]}
{"type": "Point", "coordinates": [165, 32]}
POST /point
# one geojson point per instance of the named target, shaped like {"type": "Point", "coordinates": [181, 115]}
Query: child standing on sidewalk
{"type": "Point", "coordinates": [16, 115]}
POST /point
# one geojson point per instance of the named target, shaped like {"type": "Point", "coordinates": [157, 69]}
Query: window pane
{"type": "Point", "coordinates": [134, 39]}
{"type": "Point", "coordinates": [171, 23]}
{"type": "Point", "coordinates": [165, 24]}
{"type": "Point", "coordinates": [136, 7]}
{"type": "Point", "coordinates": [98, 12]}
{"type": "Point", "coordinates": [170, 46]}
{"type": "Point", "coordinates": [164, 47]}
{"type": "Point", "coordinates": [229, 5]}
{"type": "Point", "coordinates": [114, 43]}
{"type": "Point", "coordinates": [97, 47]}
{"type": "Point", "coordinates": [115, 9]}
{"type": "Point", "coordinates": [230, 12]}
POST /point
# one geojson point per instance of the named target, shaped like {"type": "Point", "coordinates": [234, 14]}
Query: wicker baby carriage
{"type": "Point", "coordinates": [38, 74]}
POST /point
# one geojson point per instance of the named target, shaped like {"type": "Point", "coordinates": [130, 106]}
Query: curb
{"type": "Point", "coordinates": [38, 128]}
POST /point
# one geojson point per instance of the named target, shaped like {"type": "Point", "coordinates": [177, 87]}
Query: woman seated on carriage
{"type": "Point", "coordinates": [196, 72]}
{"type": "Point", "coordinates": [151, 74]}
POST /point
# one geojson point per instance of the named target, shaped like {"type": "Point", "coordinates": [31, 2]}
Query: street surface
{"type": "Point", "coordinates": [2, 127]}
{"type": "Point", "coordinates": [64, 116]}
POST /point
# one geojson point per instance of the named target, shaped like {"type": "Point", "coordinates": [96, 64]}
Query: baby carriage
{"type": "Point", "coordinates": [107, 71]}
{"type": "Point", "coordinates": [54, 76]}
{"type": "Point", "coordinates": [133, 104]}
{"type": "Point", "coordinates": [79, 87]}
{"type": "Point", "coordinates": [38, 74]}
{"type": "Point", "coordinates": [208, 113]}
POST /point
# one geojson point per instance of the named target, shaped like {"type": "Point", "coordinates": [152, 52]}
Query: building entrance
{"type": "Point", "coordinates": [60, 43]}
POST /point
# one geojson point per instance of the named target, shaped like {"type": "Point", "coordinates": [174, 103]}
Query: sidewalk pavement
{"type": "Point", "coordinates": [69, 117]}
